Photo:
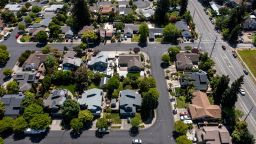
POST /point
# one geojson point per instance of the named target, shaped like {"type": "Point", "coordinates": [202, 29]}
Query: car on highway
{"type": "Point", "coordinates": [136, 141]}
{"type": "Point", "coordinates": [245, 72]}
{"type": "Point", "coordinates": [242, 91]}
{"type": "Point", "coordinates": [234, 53]}
{"type": "Point", "coordinates": [223, 47]}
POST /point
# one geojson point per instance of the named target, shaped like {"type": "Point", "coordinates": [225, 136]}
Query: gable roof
{"type": "Point", "coordinates": [93, 99]}
{"type": "Point", "coordinates": [100, 57]}
{"type": "Point", "coordinates": [86, 28]}
{"type": "Point", "coordinates": [130, 60]}
{"type": "Point", "coordinates": [13, 7]}
{"type": "Point", "coordinates": [34, 60]}
{"type": "Point", "coordinates": [106, 9]}
{"type": "Point", "coordinates": [201, 107]}
{"type": "Point", "coordinates": [198, 79]}
{"type": "Point", "coordinates": [56, 99]}
{"type": "Point", "coordinates": [69, 58]}
{"type": "Point", "coordinates": [182, 25]}
{"type": "Point", "coordinates": [184, 61]}
{"type": "Point", "coordinates": [249, 24]}
{"type": "Point", "coordinates": [129, 101]}
{"type": "Point", "coordinates": [131, 28]}
{"type": "Point", "coordinates": [45, 22]}
{"type": "Point", "coordinates": [213, 135]}
{"type": "Point", "coordinates": [12, 104]}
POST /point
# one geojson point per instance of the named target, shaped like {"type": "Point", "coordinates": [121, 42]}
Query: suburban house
{"type": "Point", "coordinates": [54, 8]}
{"type": "Point", "coordinates": [123, 10]}
{"type": "Point", "coordinates": [129, 102]}
{"type": "Point", "coordinates": [92, 100]}
{"type": "Point", "coordinates": [249, 24]}
{"type": "Point", "coordinates": [185, 61]}
{"type": "Point", "coordinates": [215, 7]}
{"type": "Point", "coordinates": [107, 32]}
{"type": "Point", "coordinates": [213, 135]}
{"type": "Point", "coordinates": [55, 101]}
{"type": "Point", "coordinates": [45, 22]}
{"type": "Point", "coordinates": [198, 79]}
{"type": "Point", "coordinates": [130, 29]}
{"type": "Point", "coordinates": [131, 63]}
{"type": "Point", "coordinates": [12, 104]}
{"type": "Point", "coordinates": [106, 9]}
{"type": "Point", "coordinates": [67, 32]}
{"type": "Point", "coordinates": [85, 29]}
{"type": "Point", "coordinates": [183, 27]}
{"type": "Point", "coordinates": [155, 33]}
{"type": "Point", "coordinates": [201, 109]}
{"type": "Point", "coordinates": [13, 7]}
{"type": "Point", "coordinates": [99, 62]}
{"type": "Point", "coordinates": [71, 62]}
{"type": "Point", "coordinates": [148, 13]}
{"type": "Point", "coordinates": [33, 31]}
{"type": "Point", "coordinates": [35, 62]}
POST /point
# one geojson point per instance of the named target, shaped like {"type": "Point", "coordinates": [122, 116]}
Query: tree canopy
{"type": "Point", "coordinates": [70, 109]}
{"type": "Point", "coordinates": [12, 87]}
{"type": "Point", "coordinates": [102, 123]}
{"type": "Point", "coordinates": [19, 125]}
{"type": "Point", "coordinates": [4, 55]}
{"type": "Point", "coordinates": [31, 111]}
{"type": "Point", "coordinates": [40, 122]}
{"type": "Point", "coordinates": [183, 140]}
{"type": "Point", "coordinates": [171, 33]}
{"type": "Point", "coordinates": [144, 31]}
{"type": "Point", "coordinates": [42, 36]}
{"type": "Point", "coordinates": [85, 116]}
{"type": "Point", "coordinates": [180, 127]}
{"type": "Point", "coordinates": [76, 125]}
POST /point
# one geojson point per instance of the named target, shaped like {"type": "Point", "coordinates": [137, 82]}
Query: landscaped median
{"type": "Point", "coordinates": [248, 56]}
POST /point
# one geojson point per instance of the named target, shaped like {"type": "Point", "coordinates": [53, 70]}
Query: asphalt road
{"type": "Point", "coordinates": [225, 63]}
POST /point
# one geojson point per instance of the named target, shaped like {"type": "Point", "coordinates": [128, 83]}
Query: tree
{"type": "Point", "coordinates": [76, 125]}
{"type": "Point", "coordinates": [55, 30]}
{"type": "Point", "coordinates": [241, 135]}
{"type": "Point", "coordinates": [6, 124]}
{"type": "Point", "coordinates": [180, 128]}
{"type": "Point", "coordinates": [40, 122]}
{"type": "Point", "coordinates": [102, 123]}
{"type": "Point", "coordinates": [7, 72]}
{"type": "Point", "coordinates": [31, 111]}
{"type": "Point", "coordinates": [135, 122]}
{"type": "Point", "coordinates": [3, 3]}
{"type": "Point", "coordinates": [2, 109]}
{"type": "Point", "coordinates": [30, 98]}
{"type": "Point", "coordinates": [254, 39]}
{"type": "Point", "coordinates": [183, 140]}
{"type": "Point", "coordinates": [113, 83]}
{"type": "Point", "coordinates": [80, 14]}
{"type": "Point", "coordinates": [206, 62]}
{"type": "Point", "coordinates": [1, 140]}
{"type": "Point", "coordinates": [119, 26]}
{"type": "Point", "coordinates": [166, 58]}
{"type": "Point", "coordinates": [36, 9]}
{"type": "Point", "coordinates": [220, 88]}
{"type": "Point", "coordinates": [21, 26]}
{"type": "Point", "coordinates": [42, 36]}
{"type": "Point", "coordinates": [50, 63]}
{"type": "Point", "coordinates": [4, 55]}
{"type": "Point", "coordinates": [183, 6]}
{"type": "Point", "coordinates": [171, 33]}
{"type": "Point", "coordinates": [28, 19]}
{"type": "Point", "coordinates": [2, 91]}
{"type": "Point", "coordinates": [233, 37]}
{"type": "Point", "coordinates": [85, 116]}
{"type": "Point", "coordinates": [230, 95]}
{"type": "Point", "coordinates": [70, 109]}
{"type": "Point", "coordinates": [146, 83]}
{"type": "Point", "coordinates": [81, 78]}
{"type": "Point", "coordinates": [150, 99]}
{"type": "Point", "coordinates": [12, 87]}
{"type": "Point", "coordinates": [162, 9]}
{"type": "Point", "coordinates": [89, 36]}
{"type": "Point", "coordinates": [8, 17]}
{"type": "Point", "coordinates": [19, 125]}
{"type": "Point", "coordinates": [144, 31]}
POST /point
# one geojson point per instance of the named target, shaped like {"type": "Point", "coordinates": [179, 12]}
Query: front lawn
{"type": "Point", "coordinates": [25, 38]}
{"type": "Point", "coordinates": [37, 20]}
{"type": "Point", "coordinates": [181, 102]}
{"type": "Point", "coordinates": [159, 40]}
{"type": "Point", "coordinates": [115, 118]}
{"type": "Point", "coordinates": [135, 38]}
{"type": "Point", "coordinates": [70, 87]}
{"type": "Point", "coordinates": [249, 57]}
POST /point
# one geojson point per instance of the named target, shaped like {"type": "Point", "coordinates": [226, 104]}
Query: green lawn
{"type": "Point", "coordinates": [70, 87]}
{"type": "Point", "coordinates": [133, 74]}
{"type": "Point", "coordinates": [159, 40]}
{"type": "Point", "coordinates": [37, 20]}
{"type": "Point", "coordinates": [249, 57]}
{"type": "Point", "coordinates": [181, 102]}
{"type": "Point", "coordinates": [25, 38]}
{"type": "Point", "coordinates": [135, 38]}
{"type": "Point", "coordinates": [115, 118]}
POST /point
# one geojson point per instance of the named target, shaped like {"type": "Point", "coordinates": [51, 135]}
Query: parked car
{"type": "Point", "coordinates": [7, 35]}
{"type": "Point", "coordinates": [245, 72]}
{"type": "Point", "coordinates": [242, 91]}
{"type": "Point", "coordinates": [136, 141]}
{"type": "Point", "coordinates": [103, 130]}
{"type": "Point", "coordinates": [223, 47]}
{"type": "Point", "coordinates": [234, 54]}
{"type": "Point", "coordinates": [188, 121]}
{"type": "Point", "coordinates": [32, 131]}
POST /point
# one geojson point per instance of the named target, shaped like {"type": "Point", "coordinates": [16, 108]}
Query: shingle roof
{"type": "Point", "coordinates": [12, 104]}
{"type": "Point", "coordinates": [201, 107]}
{"type": "Point", "coordinates": [130, 60]}
{"type": "Point", "coordinates": [198, 79]}
{"type": "Point", "coordinates": [56, 99]}
{"type": "Point", "coordinates": [184, 62]}
{"type": "Point", "coordinates": [45, 22]}
{"type": "Point", "coordinates": [93, 99]}
{"type": "Point", "coordinates": [106, 9]}
{"type": "Point", "coordinates": [69, 58]}
{"type": "Point", "coordinates": [100, 57]}
{"type": "Point", "coordinates": [34, 60]}
{"type": "Point", "coordinates": [182, 25]}
{"type": "Point", "coordinates": [129, 101]}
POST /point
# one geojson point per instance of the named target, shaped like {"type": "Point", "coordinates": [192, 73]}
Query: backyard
{"type": "Point", "coordinates": [249, 57]}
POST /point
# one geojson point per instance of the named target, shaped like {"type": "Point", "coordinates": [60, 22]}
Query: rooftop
{"type": "Point", "coordinates": [12, 104]}
{"type": "Point", "coordinates": [129, 101]}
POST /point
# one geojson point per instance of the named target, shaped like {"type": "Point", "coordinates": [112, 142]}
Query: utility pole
{"type": "Point", "coordinates": [213, 46]}
{"type": "Point", "coordinates": [199, 41]}
{"type": "Point", "coordinates": [248, 113]}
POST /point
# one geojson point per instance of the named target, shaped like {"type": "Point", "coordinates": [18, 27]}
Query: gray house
{"type": "Point", "coordinates": [130, 102]}
{"type": "Point", "coordinates": [198, 79]}
{"type": "Point", "coordinates": [183, 27]}
{"type": "Point", "coordinates": [12, 104]}
{"type": "Point", "coordinates": [71, 62]}
{"type": "Point", "coordinates": [67, 32]}
{"type": "Point", "coordinates": [154, 33]}
{"type": "Point", "coordinates": [130, 29]}
{"type": "Point", "coordinates": [55, 101]}
{"type": "Point", "coordinates": [131, 62]}
{"type": "Point", "coordinates": [185, 61]}
{"type": "Point", "coordinates": [249, 24]}
{"type": "Point", "coordinates": [92, 100]}
{"type": "Point", "coordinates": [99, 62]}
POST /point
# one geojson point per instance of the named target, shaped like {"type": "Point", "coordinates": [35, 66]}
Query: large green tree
{"type": "Point", "coordinates": [80, 14]}
{"type": "Point", "coordinates": [135, 122]}
{"type": "Point", "coordinates": [6, 125]}
{"type": "Point", "coordinates": [180, 128]}
{"type": "Point", "coordinates": [162, 9]}
{"type": "Point", "coordinates": [146, 83]}
{"type": "Point", "coordinates": [42, 36]}
{"type": "Point", "coordinates": [102, 123]}
{"type": "Point", "coordinates": [4, 55]}
{"type": "Point", "coordinates": [220, 88]}
{"type": "Point", "coordinates": [144, 31]}
{"type": "Point", "coordinates": [2, 109]}
{"type": "Point", "coordinates": [31, 111]}
{"type": "Point", "coordinates": [183, 140]}
{"type": "Point", "coordinates": [171, 33]}
{"type": "Point", "coordinates": [12, 87]}
{"type": "Point", "coordinates": [19, 125]}
{"type": "Point", "coordinates": [85, 116]}
{"type": "Point", "coordinates": [166, 58]}
{"type": "Point", "coordinates": [173, 51]}
{"type": "Point", "coordinates": [183, 7]}
{"type": "Point", "coordinates": [241, 134]}
{"type": "Point", "coordinates": [70, 109]}
{"type": "Point", "coordinates": [40, 122]}
{"type": "Point", "coordinates": [76, 125]}
{"type": "Point", "coordinates": [55, 31]}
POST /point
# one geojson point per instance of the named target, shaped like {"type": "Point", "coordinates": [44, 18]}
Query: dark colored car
{"type": "Point", "coordinates": [245, 72]}
{"type": "Point", "coordinates": [223, 47]}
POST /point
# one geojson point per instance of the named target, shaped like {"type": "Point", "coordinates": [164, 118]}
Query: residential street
{"type": "Point", "coordinates": [225, 63]}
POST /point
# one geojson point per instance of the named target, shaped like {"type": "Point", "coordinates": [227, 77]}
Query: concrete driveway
{"type": "Point", "coordinates": [56, 125]}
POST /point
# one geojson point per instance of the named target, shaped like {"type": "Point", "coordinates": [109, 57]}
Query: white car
{"type": "Point", "coordinates": [32, 131]}
{"type": "Point", "coordinates": [242, 91]}
{"type": "Point", "coordinates": [136, 141]}
{"type": "Point", "coordinates": [188, 121]}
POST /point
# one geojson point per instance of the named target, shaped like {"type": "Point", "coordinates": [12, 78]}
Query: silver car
{"type": "Point", "coordinates": [136, 141]}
